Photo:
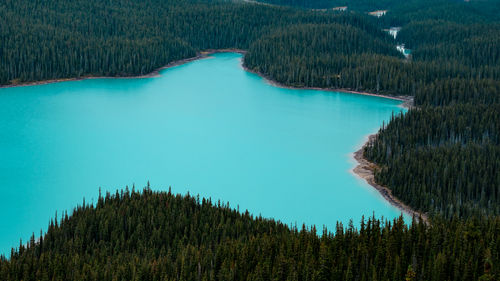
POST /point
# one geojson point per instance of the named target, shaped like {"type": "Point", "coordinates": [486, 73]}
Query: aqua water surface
{"type": "Point", "coordinates": [207, 127]}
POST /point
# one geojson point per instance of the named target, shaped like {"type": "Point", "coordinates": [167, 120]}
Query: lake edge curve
{"type": "Point", "coordinates": [362, 170]}
{"type": "Point", "coordinates": [365, 170]}
{"type": "Point", "coordinates": [407, 100]}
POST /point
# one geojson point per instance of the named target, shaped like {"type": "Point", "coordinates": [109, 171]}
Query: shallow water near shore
{"type": "Point", "coordinates": [206, 127]}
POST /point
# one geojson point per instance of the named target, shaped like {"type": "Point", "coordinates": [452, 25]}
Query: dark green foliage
{"type": "Point", "coordinates": [451, 180]}
{"type": "Point", "coordinates": [62, 39]}
{"type": "Point", "coordinates": [458, 90]}
{"type": "Point", "coordinates": [439, 126]}
{"type": "Point", "coordinates": [444, 157]}
{"type": "Point", "coordinates": [333, 56]}
{"type": "Point", "coordinates": [442, 160]}
{"type": "Point", "coordinates": [456, 54]}
{"type": "Point", "coordinates": [161, 236]}
{"type": "Point", "coordinates": [354, 5]}
{"type": "Point", "coordinates": [465, 12]}
{"type": "Point", "coordinates": [58, 39]}
{"type": "Point", "coordinates": [472, 46]}
{"type": "Point", "coordinates": [401, 12]}
{"type": "Point", "coordinates": [434, 32]}
{"type": "Point", "coordinates": [330, 56]}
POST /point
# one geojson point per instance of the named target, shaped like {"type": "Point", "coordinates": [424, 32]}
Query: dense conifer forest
{"type": "Point", "coordinates": [443, 160]}
{"type": "Point", "coordinates": [162, 236]}
{"type": "Point", "coordinates": [64, 39]}
{"type": "Point", "coordinates": [442, 157]}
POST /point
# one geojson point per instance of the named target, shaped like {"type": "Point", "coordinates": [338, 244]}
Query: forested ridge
{"type": "Point", "coordinates": [442, 160]}
{"type": "Point", "coordinates": [162, 236]}
{"type": "Point", "coordinates": [64, 39]}
{"type": "Point", "coordinates": [442, 157]}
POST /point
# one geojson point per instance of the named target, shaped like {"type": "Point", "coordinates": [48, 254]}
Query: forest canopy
{"type": "Point", "coordinates": [163, 236]}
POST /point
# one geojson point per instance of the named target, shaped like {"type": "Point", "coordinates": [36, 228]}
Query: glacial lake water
{"type": "Point", "coordinates": [207, 127]}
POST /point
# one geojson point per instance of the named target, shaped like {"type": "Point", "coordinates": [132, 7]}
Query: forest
{"type": "Point", "coordinates": [442, 157]}
{"type": "Point", "coordinates": [442, 160]}
{"type": "Point", "coordinates": [150, 235]}
{"type": "Point", "coordinates": [43, 40]}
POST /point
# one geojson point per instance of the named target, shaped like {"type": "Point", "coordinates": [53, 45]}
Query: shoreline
{"type": "Point", "coordinates": [365, 170]}
{"type": "Point", "coordinates": [155, 73]}
{"type": "Point", "coordinates": [407, 100]}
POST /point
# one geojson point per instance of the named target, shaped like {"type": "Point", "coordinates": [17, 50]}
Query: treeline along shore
{"type": "Point", "coordinates": [155, 73]}
{"type": "Point", "coordinates": [441, 158]}
{"type": "Point", "coordinates": [162, 236]}
{"type": "Point", "coordinates": [366, 170]}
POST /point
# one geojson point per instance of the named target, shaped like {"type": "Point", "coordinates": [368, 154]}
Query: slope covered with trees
{"type": "Point", "coordinates": [161, 236]}
{"type": "Point", "coordinates": [63, 39]}
{"type": "Point", "coordinates": [443, 158]}
{"type": "Point", "coordinates": [328, 56]}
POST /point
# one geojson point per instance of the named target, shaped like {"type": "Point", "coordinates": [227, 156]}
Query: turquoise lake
{"type": "Point", "coordinates": [207, 127]}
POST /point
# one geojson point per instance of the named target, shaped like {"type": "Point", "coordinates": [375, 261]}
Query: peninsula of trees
{"type": "Point", "coordinates": [161, 236]}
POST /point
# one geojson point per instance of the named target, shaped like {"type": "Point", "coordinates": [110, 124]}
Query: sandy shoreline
{"type": "Point", "coordinates": [365, 170]}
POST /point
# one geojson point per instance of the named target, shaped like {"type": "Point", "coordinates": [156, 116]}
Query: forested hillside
{"type": "Point", "coordinates": [441, 51]}
{"type": "Point", "coordinates": [328, 56]}
{"type": "Point", "coordinates": [63, 39]}
{"type": "Point", "coordinates": [443, 158]}
{"type": "Point", "coordinates": [161, 236]}
{"type": "Point", "coordinates": [401, 12]}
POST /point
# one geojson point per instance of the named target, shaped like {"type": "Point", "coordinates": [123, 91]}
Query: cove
{"type": "Point", "coordinates": [207, 127]}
